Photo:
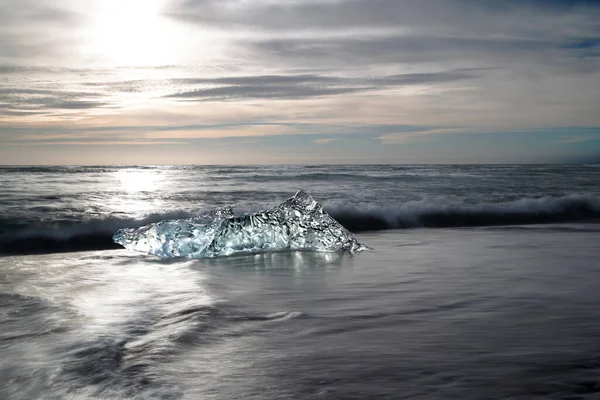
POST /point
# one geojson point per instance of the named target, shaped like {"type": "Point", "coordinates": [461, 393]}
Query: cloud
{"type": "Point", "coordinates": [100, 143]}
{"type": "Point", "coordinates": [417, 135]}
{"type": "Point", "coordinates": [325, 141]}
{"type": "Point", "coordinates": [451, 16]}
{"type": "Point", "coordinates": [261, 92]}
{"type": "Point", "coordinates": [18, 11]}
{"type": "Point", "coordinates": [68, 134]}
{"type": "Point", "coordinates": [399, 49]}
{"type": "Point", "coordinates": [393, 71]}
{"type": "Point", "coordinates": [351, 34]}
{"type": "Point", "coordinates": [32, 30]}
{"type": "Point", "coordinates": [579, 139]}
{"type": "Point", "coordinates": [218, 131]}
{"type": "Point", "coordinates": [32, 101]}
{"type": "Point", "coordinates": [307, 86]}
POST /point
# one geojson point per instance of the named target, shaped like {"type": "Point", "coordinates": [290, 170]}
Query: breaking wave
{"type": "Point", "coordinates": [433, 214]}
{"type": "Point", "coordinates": [17, 238]}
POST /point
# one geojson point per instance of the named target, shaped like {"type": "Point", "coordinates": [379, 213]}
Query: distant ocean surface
{"type": "Point", "coordinates": [49, 209]}
{"type": "Point", "coordinates": [482, 283]}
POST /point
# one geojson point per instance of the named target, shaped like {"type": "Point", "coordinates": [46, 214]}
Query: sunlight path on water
{"type": "Point", "coordinates": [104, 315]}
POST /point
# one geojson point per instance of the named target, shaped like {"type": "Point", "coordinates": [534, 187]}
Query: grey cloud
{"type": "Point", "coordinates": [362, 33]}
{"type": "Point", "coordinates": [31, 28]}
{"type": "Point", "coordinates": [306, 86]}
{"type": "Point", "coordinates": [14, 12]}
{"type": "Point", "coordinates": [28, 101]}
{"type": "Point", "coordinates": [260, 79]}
{"type": "Point", "coordinates": [19, 45]}
{"type": "Point", "coordinates": [25, 46]}
{"type": "Point", "coordinates": [276, 86]}
{"type": "Point", "coordinates": [21, 113]}
{"type": "Point", "coordinates": [458, 16]}
{"type": "Point", "coordinates": [261, 92]}
{"type": "Point", "coordinates": [77, 104]}
{"type": "Point", "coordinates": [527, 54]}
{"type": "Point", "coordinates": [428, 78]}
{"type": "Point", "coordinates": [401, 49]}
{"type": "Point", "coordinates": [140, 85]}
{"type": "Point", "coordinates": [18, 69]}
{"type": "Point", "coordinates": [17, 92]}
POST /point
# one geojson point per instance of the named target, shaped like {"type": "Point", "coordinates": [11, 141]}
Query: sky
{"type": "Point", "coordinates": [299, 81]}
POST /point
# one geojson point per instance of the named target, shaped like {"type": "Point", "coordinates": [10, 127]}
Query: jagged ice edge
{"type": "Point", "coordinates": [300, 223]}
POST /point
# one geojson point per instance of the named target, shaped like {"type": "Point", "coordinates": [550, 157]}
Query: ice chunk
{"type": "Point", "coordinates": [300, 223]}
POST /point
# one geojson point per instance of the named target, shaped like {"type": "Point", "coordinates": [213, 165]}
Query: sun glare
{"type": "Point", "coordinates": [138, 181]}
{"type": "Point", "coordinates": [131, 33]}
{"type": "Point", "coordinates": [137, 191]}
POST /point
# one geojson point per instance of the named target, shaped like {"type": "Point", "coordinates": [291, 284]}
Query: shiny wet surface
{"type": "Point", "coordinates": [472, 313]}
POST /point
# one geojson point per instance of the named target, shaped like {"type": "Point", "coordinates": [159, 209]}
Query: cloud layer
{"type": "Point", "coordinates": [394, 71]}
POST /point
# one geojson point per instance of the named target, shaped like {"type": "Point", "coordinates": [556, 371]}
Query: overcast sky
{"type": "Point", "coordinates": [299, 81]}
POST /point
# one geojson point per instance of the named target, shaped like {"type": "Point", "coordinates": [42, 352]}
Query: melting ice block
{"type": "Point", "coordinates": [300, 223]}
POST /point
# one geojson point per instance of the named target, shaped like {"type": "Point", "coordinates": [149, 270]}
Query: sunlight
{"type": "Point", "coordinates": [138, 191]}
{"type": "Point", "coordinates": [131, 33]}
{"type": "Point", "coordinates": [139, 181]}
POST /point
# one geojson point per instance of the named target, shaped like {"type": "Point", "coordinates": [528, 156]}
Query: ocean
{"type": "Point", "coordinates": [481, 283]}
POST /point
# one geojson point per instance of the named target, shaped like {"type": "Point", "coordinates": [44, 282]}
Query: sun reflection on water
{"type": "Point", "coordinates": [139, 191]}
{"type": "Point", "coordinates": [133, 181]}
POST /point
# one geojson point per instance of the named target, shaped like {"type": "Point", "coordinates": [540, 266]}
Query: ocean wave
{"type": "Point", "coordinates": [438, 214]}
{"type": "Point", "coordinates": [67, 236]}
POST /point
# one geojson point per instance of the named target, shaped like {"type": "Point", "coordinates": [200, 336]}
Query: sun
{"type": "Point", "coordinates": [130, 33]}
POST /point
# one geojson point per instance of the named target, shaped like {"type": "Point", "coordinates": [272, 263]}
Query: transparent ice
{"type": "Point", "coordinates": [300, 223]}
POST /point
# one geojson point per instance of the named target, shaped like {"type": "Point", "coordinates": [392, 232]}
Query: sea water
{"type": "Point", "coordinates": [481, 283]}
